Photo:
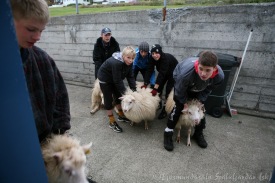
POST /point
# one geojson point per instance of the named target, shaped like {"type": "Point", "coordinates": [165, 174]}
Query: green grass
{"type": "Point", "coordinates": [143, 5]}
{"type": "Point", "coordinates": [71, 10]}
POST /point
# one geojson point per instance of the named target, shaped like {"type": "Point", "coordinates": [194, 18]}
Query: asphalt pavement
{"type": "Point", "coordinates": [240, 148]}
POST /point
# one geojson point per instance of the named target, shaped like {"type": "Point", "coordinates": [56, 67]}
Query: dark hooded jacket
{"type": "Point", "coordinates": [165, 67]}
{"type": "Point", "coordinates": [102, 53]}
{"type": "Point", "coordinates": [114, 70]}
{"type": "Point", "coordinates": [187, 81]}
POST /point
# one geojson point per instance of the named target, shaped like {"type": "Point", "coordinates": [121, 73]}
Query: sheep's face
{"type": "Point", "coordinates": [127, 103]}
{"type": "Point", "coordinates": [194, 113]}
{"type": "Point", "coordinates": [71, 163]}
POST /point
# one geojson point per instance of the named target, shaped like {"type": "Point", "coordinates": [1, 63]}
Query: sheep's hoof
{"type": "Point", "coordinates": [146, 127]}
{"type": "Point", "coordinates": [178, 140]}
{"type": "Point", "coordinates": [189, 144]}
{"type": "Point", "coordinates": [93, 111]}
{"type": "Point", "coordinates": [132, 123]}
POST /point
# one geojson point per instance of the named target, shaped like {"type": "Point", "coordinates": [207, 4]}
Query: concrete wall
{"type": "Point", "coordinates": [186, 32]}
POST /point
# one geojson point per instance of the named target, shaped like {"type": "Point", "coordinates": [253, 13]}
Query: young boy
{"type": "Point", "coordinates": [47, 90]}
{"type": "Point", "coordinates": [193, 79]}
{"type": "Point", "coordinates": [104, 47]}
{"type": "Point", "coordinates": [141, 62]}
{"type": "Point", "coordinates": [111, 75]}
{"type": "Point", "coordinates": [165, 64]}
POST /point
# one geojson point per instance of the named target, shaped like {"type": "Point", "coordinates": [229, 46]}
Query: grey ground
{"type": "Point", "coordinates": [240, 148]}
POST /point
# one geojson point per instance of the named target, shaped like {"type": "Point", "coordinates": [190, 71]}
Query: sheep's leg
{"type": "Point", "coordinates": [116, 110]}
{"type": "Point", "coordinates": [94, 108]}
{"type": "Point", "coordinates": [146, 125]}
{"type": "Point", "coordinates": [178, 136]}
{"type": "Point", "coordinates": [188, 137]}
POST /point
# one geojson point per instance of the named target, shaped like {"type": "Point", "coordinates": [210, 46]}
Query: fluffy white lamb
{"type": "Point", "coordinates": [65, 159]}
{"type": "Point", "coordinates": [140, 106]}
{"type": "Point", "coordinates": [96, 97]}
{"type": "Point", "coordinates": [191, 115]}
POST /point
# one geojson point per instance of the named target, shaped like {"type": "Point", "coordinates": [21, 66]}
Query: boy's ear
{"type": "Point", "coordinates": [215, 68]}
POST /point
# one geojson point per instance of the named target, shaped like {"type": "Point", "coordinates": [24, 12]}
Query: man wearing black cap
{"type": "Point", "coordinates": [140, 63]}
{"type": "Point", "coordinates": [165, 64]}
{"type": "Point", "coordinates": [104, 47]}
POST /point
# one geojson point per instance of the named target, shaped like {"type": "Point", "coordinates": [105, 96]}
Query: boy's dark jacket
{"type": "Point", "coordinates": [100, 53]}
{"type": "Point", "coordinates": [187, 80]}
{"type": "Point", "coordinates": [114, 70]}
{"type": "Point", "coordinates": [165, 67]}
{"type": "Point", "coordinates": [47, 91]}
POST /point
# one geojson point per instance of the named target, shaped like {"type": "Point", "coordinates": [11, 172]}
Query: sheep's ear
{"type": "Point", "coordinates": [87, 148]}
{"type": "Point", "coordinates": [185, 108]}
{"type": "Point", "coordinates": [184, 111]}
{"type": "Point", "coordinates": [121, 98]}
{"type": "Point", "coordinates": [57, 156]}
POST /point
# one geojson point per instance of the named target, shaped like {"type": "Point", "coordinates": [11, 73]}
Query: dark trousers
{"type": "Point", "coordinates": [136, 70]}
{"type": "Point", "coordinates": [97, 66]}
{"type": "Point", "coordinates": [169, 80]}
{"type": "Point", "coordinates": [110, 93]}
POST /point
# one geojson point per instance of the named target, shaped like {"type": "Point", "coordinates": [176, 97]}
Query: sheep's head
{"type": "Point", "coordinates": [194, 112]}
{"type": "Point", "coordinates": [71, 164]}
{"type": "Point", "coordinates": [127, 102]}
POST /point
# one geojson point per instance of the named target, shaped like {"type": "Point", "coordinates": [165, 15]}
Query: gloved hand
{"type": "Point", "coordinates": [154, 92]}
{"type": "Point", "coordinates": [143, 86]}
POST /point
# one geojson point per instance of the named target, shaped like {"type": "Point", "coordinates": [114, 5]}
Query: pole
{"type": "Point", "coordinates": [164, 10]}
{"type": "Point", "coordinates": [76, 6]}
{"type": "Point", "coordinates": [238, 71]}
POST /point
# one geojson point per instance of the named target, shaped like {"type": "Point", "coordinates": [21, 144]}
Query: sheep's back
{"type": "Point", "coordinates": [145, 106]}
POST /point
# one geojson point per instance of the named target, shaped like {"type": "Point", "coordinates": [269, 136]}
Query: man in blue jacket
{"type": "Point", "coordinates": [141, 62]}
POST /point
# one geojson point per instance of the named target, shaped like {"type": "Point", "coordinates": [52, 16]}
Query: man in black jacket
{"type": "Point", "coordinates": [165, 64]}
{"type": "Point", "coordinates": [104, 47]}
{"type": "Point", "coordinates": [195, 78]}
{"type": "Point", "coordinates": [111, 75]}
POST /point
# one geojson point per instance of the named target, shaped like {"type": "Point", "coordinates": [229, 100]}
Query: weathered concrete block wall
{"type": "Point", "coordinates": [186, 32]}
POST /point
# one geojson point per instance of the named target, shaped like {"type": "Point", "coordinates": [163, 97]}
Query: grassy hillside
{"type": "Point", "coordinates": [143, 5]}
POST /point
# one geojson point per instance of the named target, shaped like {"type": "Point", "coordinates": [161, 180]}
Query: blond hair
{"type": "Point", "coordinates": [26, 9]}
{"type": "Point", "coordinates": [128, 51]}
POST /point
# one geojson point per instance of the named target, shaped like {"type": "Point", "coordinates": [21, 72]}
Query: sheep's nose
{"type": "Point", "coordinates": [125, 110]}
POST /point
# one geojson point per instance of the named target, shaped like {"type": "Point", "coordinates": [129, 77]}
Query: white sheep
{"type": "Point", "coordinates": [139, 106]}
{"type": "Point", "coordinates": [65, 159]}
{"type": "Point", "coordinates": [96, 97]}
{"type": "Point", "coordinates": [191, 115]}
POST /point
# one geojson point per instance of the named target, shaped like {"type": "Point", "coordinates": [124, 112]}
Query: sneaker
{"type": "Point", "coordinates": [200, 140]}
{"type": "Point", "coordinates": [90, 180]}
{"type": "Point", "coordinates": [162, 114]}
{"type": "Point", "coordinates": [123, 118]}
{"type": "Point", "coordinates": [168, 141]}
{"type": "Point", "coordinates": [115, 127]}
